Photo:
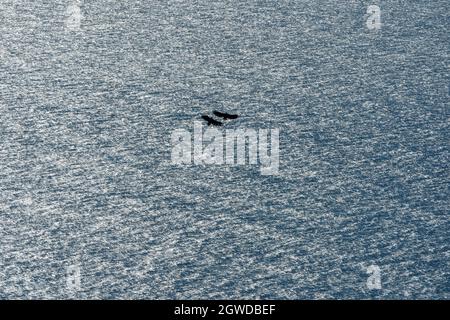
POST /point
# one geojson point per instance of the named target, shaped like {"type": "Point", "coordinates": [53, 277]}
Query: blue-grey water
{"type": "Point", "coordinates": [86, 180]}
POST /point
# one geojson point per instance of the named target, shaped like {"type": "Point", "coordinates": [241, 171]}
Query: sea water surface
{"type": "Point", "coordinates": [87, 187]}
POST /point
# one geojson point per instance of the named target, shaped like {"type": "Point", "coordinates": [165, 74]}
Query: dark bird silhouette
{"type": "Point", "coordinates": [226, 116]}
{"type": "Point", "coordinates": [211, 121]}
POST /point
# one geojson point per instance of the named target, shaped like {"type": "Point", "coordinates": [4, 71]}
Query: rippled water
{"type": "Point", "coordinates": [86, 179]}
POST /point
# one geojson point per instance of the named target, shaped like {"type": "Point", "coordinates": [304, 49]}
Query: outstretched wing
{"type": "Point", "coordinates": [226, 116]}
{"type": "Point", "coordinates": [211, 121]}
